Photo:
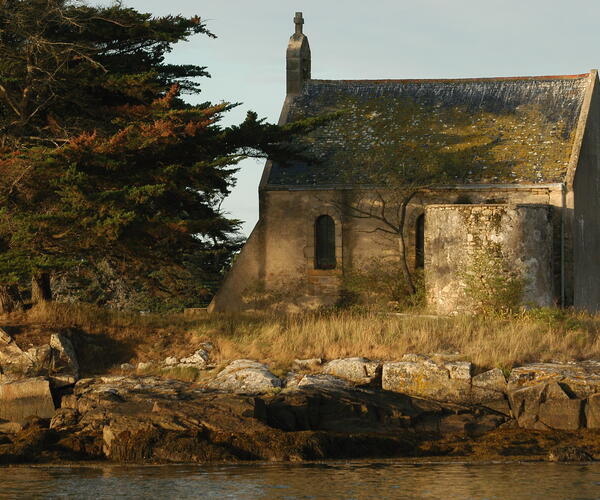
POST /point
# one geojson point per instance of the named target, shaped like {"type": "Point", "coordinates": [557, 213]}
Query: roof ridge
{"type": "Point", "coordinates": [453, 80]}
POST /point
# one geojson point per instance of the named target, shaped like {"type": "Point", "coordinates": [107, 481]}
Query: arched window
{"type": "Point", "coordinates": [420, 242]}
{"type": "Point", "coordinates": [324, 242]}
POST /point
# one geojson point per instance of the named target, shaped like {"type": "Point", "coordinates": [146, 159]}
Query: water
{"type": "Point", "coordinates": [334, 480]}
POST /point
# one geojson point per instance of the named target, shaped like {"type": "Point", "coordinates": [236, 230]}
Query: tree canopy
{"type": "Point", "coordinates": [101, 159]}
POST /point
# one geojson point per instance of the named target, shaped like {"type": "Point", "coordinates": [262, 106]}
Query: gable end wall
{"type": "Point", "coordinates": [585, 213]}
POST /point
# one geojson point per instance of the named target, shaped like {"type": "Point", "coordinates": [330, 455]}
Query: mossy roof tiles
{"type": "Point", "coordinates": [495, 130]}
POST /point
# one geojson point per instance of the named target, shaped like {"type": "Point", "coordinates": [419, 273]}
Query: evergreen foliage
{"type": "Point", "coordinates": [101, 159]}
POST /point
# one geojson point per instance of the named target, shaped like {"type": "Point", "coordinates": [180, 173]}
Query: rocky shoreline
{"type": "Point", "coordinates": [418, 407]}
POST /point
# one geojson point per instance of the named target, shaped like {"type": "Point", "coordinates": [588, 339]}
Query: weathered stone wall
{"type": "Point", "coordinates": [279, 256]}
{"type": "Point", "coordinates": [586, 213]}
{"type": "Point", "coordinates": [289, 218]}
{"type": "Point", "coordinates": [245, 273]}
{"type": "Point", "coordinates": [460, 240]}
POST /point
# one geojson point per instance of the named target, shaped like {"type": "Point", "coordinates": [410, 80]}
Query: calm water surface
{"type": "Point", "coordinates": [335, 480]}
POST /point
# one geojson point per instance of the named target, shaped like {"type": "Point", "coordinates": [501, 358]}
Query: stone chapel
{"type": "Point", "coordinates": [519, 163]}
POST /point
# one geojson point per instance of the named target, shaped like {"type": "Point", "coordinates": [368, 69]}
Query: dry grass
{"type": "Point", "coordinates": [486, 341]}
{"type": "Point", "coordinates": [105, 338]}
{"type": "Point", "coordinates": [542, 335]}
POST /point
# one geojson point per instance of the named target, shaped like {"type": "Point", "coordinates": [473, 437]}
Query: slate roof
{"type": "Point", "coordinates": [489, 130]}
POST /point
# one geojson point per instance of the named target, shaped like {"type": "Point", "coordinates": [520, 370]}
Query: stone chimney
{"type": "Point", "coordinates": [298, 58]}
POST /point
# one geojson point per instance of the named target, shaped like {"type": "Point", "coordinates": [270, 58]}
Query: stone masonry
{"type": "Point", "coordinates": [485, 242]}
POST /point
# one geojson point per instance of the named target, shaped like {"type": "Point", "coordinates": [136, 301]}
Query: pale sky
{"type": "Point", "coordinates": [369, 40]}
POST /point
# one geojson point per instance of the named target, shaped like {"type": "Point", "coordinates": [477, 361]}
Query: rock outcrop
{"type": "Point", "coordinates": [323, 381]}
{"type": "Point", "coordinates": [446, 380]}
{"type": "Point", "coordinates": [346, 408]}
{"type": "Point", "coordinates": [539, 396]}
{"type": "Point", "coordinates": [24, 398]}
{"type": "Point", "coordinates": [427, 379]}
{"type": "Point", "coordinates": [56, 360]}
{"type": "Point", "coordinates": [580, 379]}
{"type": "Point", "coordinates": [16, 363]}
{"type": "Point", "coordinates": [128, 419]}
{"type": "Point", "coordinates": [64, 367]}
{"type": "Point", "coordinates": [569, 454]}
{"type": "Point", "coordinates": [562, 396]}
{"type": "Point", "coordinates": [357, 370]}
{"type": "Point", "coordinates": [244, 376]}
{"type": "Point", "coordinates": [199, 360]}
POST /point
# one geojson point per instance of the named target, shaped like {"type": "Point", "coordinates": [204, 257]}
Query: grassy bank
{"type": "Point", "coordinates": [117, 338]}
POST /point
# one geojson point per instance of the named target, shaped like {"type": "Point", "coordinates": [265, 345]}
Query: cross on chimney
{"type": "Point", "coordinates": [299, 21]}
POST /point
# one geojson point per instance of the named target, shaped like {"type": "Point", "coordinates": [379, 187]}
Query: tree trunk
{"type": "Point", "coordinates": [404, 266]}
{"type": "Point", "coordinates": [402, 245]}
{"type": "Point", "coordinates": [40, 288]}
{"type": "Point", "coordinates": [10, 299]}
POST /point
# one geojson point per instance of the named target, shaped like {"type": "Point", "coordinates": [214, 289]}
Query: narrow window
{"type": "Point", "coordinates": [324, 243]}
{"type": "Point", "coordinates": [420, 242]}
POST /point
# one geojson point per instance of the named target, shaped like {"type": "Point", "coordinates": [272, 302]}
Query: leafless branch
{"type": "Point", "coordinates": [18, 179]}
{"type": "Point", "coordinates": [9, 100]}
{"type": "Point", "coordinates": [112, 21]}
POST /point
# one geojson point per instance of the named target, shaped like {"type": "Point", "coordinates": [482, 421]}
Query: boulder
{"type": "Point", "coordinates": [447, 380]}
{"type": "Point", "coordinates": [561, 414]}
{"type": "Point", "coordinates": [580, 379]}
{"type": "Point", "coordinates": [592, 412]}
{"type": "Point", "coordinates": [323, 381]}
{"type": "Point", "coordinates": [357, 370]}
{"type": "Point", "coordinates": [291, 380]}
{"type": "Point", "coordinates": [244, 376]}
{"type": "Point", "coordinates": [65, 367]}
{"type": "Point", "coordinates": [554, 391]}
{"type": "Point", "coordinates": [9, 350]}
{"type": "Point", "coordinates": [425, 378]}
{"type": "Point", "coordinates": [489, 389]}
{"type": "Point", "coordinates": [17, 364]}
{"type": "Point", "coordinates": [525, 404]}
{"type": "Point", "coordinates": [40, 360]}
{"type": "Point", "coordinates": [64, 418]}
{"type": "Point", "coordinates": [56, 360]}
{"type": "Point", "coordinates": [25, 398]}
{"type": "Point", "coordinates": [144, 366]}
{"type": "Point", "coordinates": [128, 439]}
{"type": "Point", "coordinates": [546, 406]}
{"type": "Point", "coordinates": [459, 370]}
{"type": "Point", "coordinates": [488, 386]}
{"type": "Point", "coordinates": [199, 359]}
{"type": "Point", "coordinates": [207, 346]}
{"type": "Point", "coordinates": [7, 427]}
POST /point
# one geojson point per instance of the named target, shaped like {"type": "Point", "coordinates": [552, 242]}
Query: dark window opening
{"type": "Point", "coordinates": [324, 243]}
{"type": "Point", "coordinates": [420, 242]}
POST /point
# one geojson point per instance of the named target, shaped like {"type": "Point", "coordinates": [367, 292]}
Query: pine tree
{"type": "Point", "coordinates": [100, 156]}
